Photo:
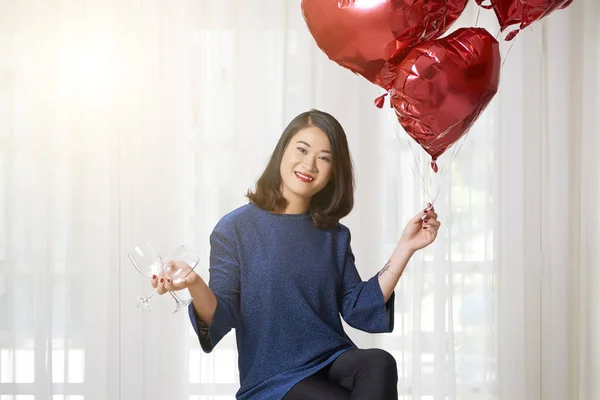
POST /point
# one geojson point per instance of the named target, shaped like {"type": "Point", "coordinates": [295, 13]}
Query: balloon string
{"type": "Point", "coordinates": [417, 158]}
{"type": "Point", "coordinates": [455, 150]}
{"type": "Point", "coordinates": [426, 180]}
{"type": "Point", "coordinates": [508, 52]}
{"type": "Point", "coordinates": [416, 168]}
{"type": "Point", "coordinates": [448, 167]}
{"type": "Point", "coordinates": [425, 174]}
{"type": "Point", "coordinates": [477, 19]}
{"type": "Point", "coordinates": [417, 161]}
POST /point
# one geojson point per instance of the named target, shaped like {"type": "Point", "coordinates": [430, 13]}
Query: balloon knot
{"type": "Point", "coordinates": [380, 101]}
{"type": "Point", "coordinates": [511, 35]}
{"type": "Point", "coordinates": [434, 166]}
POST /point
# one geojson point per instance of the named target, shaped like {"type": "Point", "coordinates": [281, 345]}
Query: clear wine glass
{"type": "Point", "coordinates": [177, 267]}
{"type": "Point", "coordinates": [148, 263]}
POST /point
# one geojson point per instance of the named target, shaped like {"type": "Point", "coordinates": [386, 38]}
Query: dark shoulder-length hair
{"type": "Point", "coordinates": [336, 199]}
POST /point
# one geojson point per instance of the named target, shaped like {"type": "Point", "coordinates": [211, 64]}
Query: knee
{"type": "Point", "coordinates": [383, 362]}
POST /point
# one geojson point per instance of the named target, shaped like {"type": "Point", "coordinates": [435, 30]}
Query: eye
{"type": "Point", "coordinates": [302, 150]}
{"type": "Point", "coordinates": [325, 158]}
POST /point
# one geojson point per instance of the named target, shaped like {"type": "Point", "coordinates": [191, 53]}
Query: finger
{"type": "Point", "coordinates": [418, 218]}
{"type": "Point", "coordinates": [432, 223]}
{"type": "Point", "coordinates": [154, 281]}
{"type": "Point", "coordinates": [430, 214]}
{"type": "Point", "coordinates": [169, 284]}
{"type": "Point", "coordinates": [161, 286]}
{"type": "Point", "coordinates": [434, 229]}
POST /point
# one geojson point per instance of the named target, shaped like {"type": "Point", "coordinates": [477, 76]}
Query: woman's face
{"type": "Point", "coordinates": [306, 166]}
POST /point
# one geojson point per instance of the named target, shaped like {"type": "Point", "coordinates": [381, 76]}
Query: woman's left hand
{"type": "Point", "coordinates": [420, 231]}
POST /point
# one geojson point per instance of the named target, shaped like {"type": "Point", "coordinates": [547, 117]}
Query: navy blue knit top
{"type": "Point", "coordinates": [282, 284]}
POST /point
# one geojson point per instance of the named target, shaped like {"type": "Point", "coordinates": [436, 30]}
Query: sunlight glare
{"type": "Point", "coordinates": [368, 3]}
{"type": "Point", "coordinates": [90, 67]}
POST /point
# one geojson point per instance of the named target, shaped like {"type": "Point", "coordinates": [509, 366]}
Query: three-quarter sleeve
{"type": "Point", "coordinates": [363, 304]}
{"type": "Point", "coordinates": [225, 285]}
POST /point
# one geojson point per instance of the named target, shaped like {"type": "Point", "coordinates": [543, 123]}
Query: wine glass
{"type": "Point", "coordinates": [177, 267]}
{"type": "Point", "coordinates": [149, 263]}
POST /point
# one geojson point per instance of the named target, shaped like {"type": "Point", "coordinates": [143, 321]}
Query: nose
{"type": "Point", "coordinates": [310, 163]}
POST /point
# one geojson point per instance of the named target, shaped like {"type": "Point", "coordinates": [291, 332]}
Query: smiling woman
{"type": "Point", "coordinates": [303, 161]}
{"type": "Point", "coordinates": [313, 144]}
{"type": "Point", "coordinates": [282, 274]}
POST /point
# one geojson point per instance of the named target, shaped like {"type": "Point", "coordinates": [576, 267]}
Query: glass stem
{"type": "Point", "coordinates": [151, 294]}
{"type": "Point", "coordinates": [174, 295]}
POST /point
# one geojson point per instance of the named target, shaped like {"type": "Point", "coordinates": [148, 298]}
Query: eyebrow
{"type": "Point", "coordinates": [308, 145]}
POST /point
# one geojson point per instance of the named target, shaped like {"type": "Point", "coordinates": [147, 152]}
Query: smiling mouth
{"type": "Point", "coordinates": [303, 177]}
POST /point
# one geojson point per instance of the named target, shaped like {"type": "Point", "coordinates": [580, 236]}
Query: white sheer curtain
{"type": "Point", "coordinates": [123, 121]}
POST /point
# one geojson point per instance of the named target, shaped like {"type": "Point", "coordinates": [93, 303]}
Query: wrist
{"type": "Point", "coordinates": [403, 250]}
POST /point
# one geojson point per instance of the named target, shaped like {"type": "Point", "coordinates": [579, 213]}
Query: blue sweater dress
{"type": "Point", "coordinates": [282, 284]}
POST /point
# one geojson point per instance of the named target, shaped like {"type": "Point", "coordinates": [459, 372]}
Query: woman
{"type": "Point", "coordinates": [282, 271]}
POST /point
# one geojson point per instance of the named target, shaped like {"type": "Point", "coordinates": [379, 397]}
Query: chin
{"type": "Point", "coordinates": [305, 195]}
{"type": "Point", "coordinates": [303, 190]}
{"type": "Point", "coordinates": [301, 193]}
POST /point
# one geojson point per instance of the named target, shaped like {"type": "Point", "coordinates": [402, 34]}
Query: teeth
{"type": "Point", "coordinates": [304, 176]}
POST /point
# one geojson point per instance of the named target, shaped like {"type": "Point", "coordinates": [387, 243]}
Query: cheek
{"type": "Point", "coordinates": [327, 173]}
{"type": "Point", "coordinates": [284, 161]}
{"type": "Point", "coordinates": [289, 159]}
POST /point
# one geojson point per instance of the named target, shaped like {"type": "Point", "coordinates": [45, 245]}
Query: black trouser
{"type": "Point", "coordinates": [357, 375]}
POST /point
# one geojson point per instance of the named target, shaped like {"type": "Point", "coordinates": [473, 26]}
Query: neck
{"type": "Point", "coordinates": [295, 204]}
{"type": "Point", "coordinates": [296, 207]}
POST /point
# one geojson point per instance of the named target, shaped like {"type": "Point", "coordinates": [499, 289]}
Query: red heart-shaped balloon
{"type": "Point", "coordinates": [443, 85]}
{"type": "Point", "coordinates": [522, 12]}
{"type": "Point", "coordinates": [362, 35]}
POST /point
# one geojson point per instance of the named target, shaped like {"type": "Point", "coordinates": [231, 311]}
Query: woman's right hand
{"type": "Point", "coordinates": [176, 276]}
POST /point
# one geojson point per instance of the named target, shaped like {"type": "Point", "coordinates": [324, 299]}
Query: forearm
{"type": "Point", "coordinates": [204, 301]}
{"type": "Point", "coordinates": [392, 271]}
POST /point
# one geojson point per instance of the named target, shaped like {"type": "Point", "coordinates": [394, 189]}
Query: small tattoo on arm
{"type": "Point", "coordinates": [385, 268]}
